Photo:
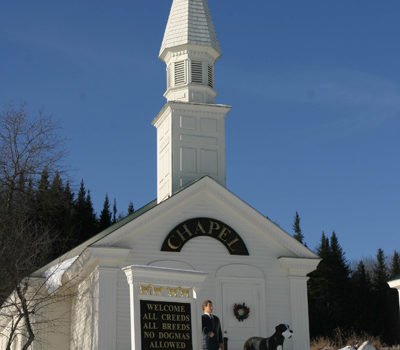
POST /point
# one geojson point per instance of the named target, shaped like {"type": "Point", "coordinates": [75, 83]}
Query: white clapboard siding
{"type": "Point", "coordinates": [123, 313]}
{"type": "Point", "coordinates": [143, 237]}
{"type": "Point", "coordinates": [84, 315]}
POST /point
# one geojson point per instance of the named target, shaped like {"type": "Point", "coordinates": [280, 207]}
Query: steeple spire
{"type": "Point", "coordinates": [189, 22]}
{"type": "Point", "coordinates": [190, 127]}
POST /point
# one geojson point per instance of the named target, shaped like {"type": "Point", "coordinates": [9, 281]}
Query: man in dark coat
{"type": "Point", "coordinates": [211, 326]}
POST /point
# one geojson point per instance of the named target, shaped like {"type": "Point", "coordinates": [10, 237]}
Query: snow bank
{"type": "Point", "coordinates": [364, 346]}
{"type": "Point", "coordinates": [55, 273]}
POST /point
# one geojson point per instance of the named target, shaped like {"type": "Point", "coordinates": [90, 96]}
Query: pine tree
{"type": "Point", "coordinates": [339, 257]}
{"type": "Point", "coordinates": [386, 317]}
{"type": "Point", "coordinates": [319, 291]}
{"type": "Point", "coordinates": [297, 230]}
{"type": "Point", "coordinates": [114, 216]}
{"type": "Point", "coordinates": [68, 198]}
{"type": "Point", "coordinates": [44, 182]}
{"type": "Point", "coordinates": [68, 195]}
{"type": "Point", "coordinates": [329, 287]}
{"type": "Point", "coordinates": [59, 215]}
{"type": "Point", "coordinates": [84, 219]}
{"type": "Point", "coordinates": [105, 215]}
{"type": "Point", "coordinates": [130, 208]}
{"type": "Point", "coordinates": [43, 203]}
{"type": "Point", "coordinates": [395, 265]}
{"type": "Point", "coordinates": [340, 276]}
{"type": "Point", "coordinates": [57, 210]}
{"type": "Point", "coordinates": [362, 297]}
{"type": "Point", "coordinates": [92, 221]}
{"type": "Point", "coordinates": [362, 276]}
{"type": "Point", "coordinates": [380, 272]}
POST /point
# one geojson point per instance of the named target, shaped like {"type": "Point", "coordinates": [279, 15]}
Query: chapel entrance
{"type": "Point", "coordinates": [248, 291]}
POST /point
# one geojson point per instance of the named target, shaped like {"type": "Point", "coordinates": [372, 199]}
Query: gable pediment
{"type": "Point", "coordinates": [206, 199]}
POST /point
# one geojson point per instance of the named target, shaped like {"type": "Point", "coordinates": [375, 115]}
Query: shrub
{"type": "Point", "coordinates": [342, 338]}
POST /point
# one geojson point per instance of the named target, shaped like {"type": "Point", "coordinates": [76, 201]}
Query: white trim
{"type": "Point", "coordinates": [207, 185]}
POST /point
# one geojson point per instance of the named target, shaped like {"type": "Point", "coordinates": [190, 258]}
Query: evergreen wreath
{"type": "Point", "coordinates": [241, 311]}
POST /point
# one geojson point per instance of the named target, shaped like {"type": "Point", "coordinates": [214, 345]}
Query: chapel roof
{"type": "Point", "coordinates": [190, 22]}
{"type": "Point", "coordinates": [395, 278]}
{"type": "Point", "coordinates": [204, 181]}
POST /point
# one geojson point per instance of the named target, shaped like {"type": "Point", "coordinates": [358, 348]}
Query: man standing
{"type": "Point", "coordinates": [211, 326]}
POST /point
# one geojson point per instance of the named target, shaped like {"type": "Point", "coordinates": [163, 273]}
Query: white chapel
{"type": "Point", "coordinates": [139, 284]}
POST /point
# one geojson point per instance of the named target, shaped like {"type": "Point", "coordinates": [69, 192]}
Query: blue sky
{"type": "Point", "coordinates": [314, 85]}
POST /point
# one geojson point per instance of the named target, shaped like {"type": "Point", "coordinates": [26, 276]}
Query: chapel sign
{"type": "Point", "coordinates": [196, 227]}
{"type": "Point", "coordinates": [165, 325]}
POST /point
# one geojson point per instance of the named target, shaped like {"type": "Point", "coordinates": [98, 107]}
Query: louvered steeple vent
{"type": "Point", "coordinates": [190, 127]}
{"type": "Point", "coordinates": [190, 48]}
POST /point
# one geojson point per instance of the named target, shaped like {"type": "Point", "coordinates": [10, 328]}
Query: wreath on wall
{"type": "Point", "coordinates": [241, 311]}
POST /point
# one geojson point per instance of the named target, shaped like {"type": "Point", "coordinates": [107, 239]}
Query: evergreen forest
{"type": "Point", "coordinates": [352, 298]}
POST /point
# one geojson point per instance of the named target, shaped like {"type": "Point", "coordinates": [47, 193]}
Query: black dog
{"type": "Point", "coordinates": [282, 332]}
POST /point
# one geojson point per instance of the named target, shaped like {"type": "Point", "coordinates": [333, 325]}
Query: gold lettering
{"type": "Point", "coordinates": [200, 228]}
{"type": "Point", "coordinates": [176, 326]}
{"type": "Point", "coordinates": [158, 344]}
{"type": "Point", "coordinates": [166, 317]}
{"type": "Point", "coordinates": [144, 289]}
{"type": "Point", "coordinates": [171, 245]}
{"type": "Point", "coordinates": [173, 336]}
{"type": "Point", "coordinates": [172, 292]}
{"type": "Point", "coordinates": [224, 233]}
{"type": "Point", "coordinates": [231, 243]}
{"type": "Point", "coordinates": [150, 317]}
{"type": "Point", "coordinates": [150, 325]}
{"type": "Point", "coordinates": [184, 292]}
{"type": "Point", "coordinates": [158, 290]}
{"type": "Point", "coordinates": [185, 231]}
{"type": "Point", "coordinates": [213, 226]}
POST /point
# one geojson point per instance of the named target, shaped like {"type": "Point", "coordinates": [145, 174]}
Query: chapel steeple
{"type": "Point", "coordinates": [190, 48]}
{"type": "Point", "coordinates": [190, 127]}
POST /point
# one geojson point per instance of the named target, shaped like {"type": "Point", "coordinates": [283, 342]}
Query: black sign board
{"type": "Point", "coordinates": [196, 227]}
{"type": "Point", "coordinates": [165, 325]}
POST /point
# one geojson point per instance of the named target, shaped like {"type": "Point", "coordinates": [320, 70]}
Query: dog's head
{"type": "Point", "coordinates": [285, 330]}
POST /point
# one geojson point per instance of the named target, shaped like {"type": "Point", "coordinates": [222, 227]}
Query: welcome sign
{"type": "Point", "coordinates": [165, 325]}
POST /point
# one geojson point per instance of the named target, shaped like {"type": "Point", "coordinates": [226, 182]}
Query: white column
{"type": "Point", "coordinates": [395, 284]}
{"type": "Point", "coordinates": [135, 310]}
{"type": "Point", "coordinates": [107, 307]}
{"type": "Point", "coordinates": [183, 285]}
{"type": "Point", "coordinates": [297, 270]}
{"type": "Point", "coordinates": [299, 307]}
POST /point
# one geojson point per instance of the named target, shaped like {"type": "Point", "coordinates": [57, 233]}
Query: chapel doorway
{"type": "Point", "coordinates": [241, 290]}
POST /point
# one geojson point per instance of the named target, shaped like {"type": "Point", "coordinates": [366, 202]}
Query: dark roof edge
{"type": "Point", "coordinates": [395, 278]}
